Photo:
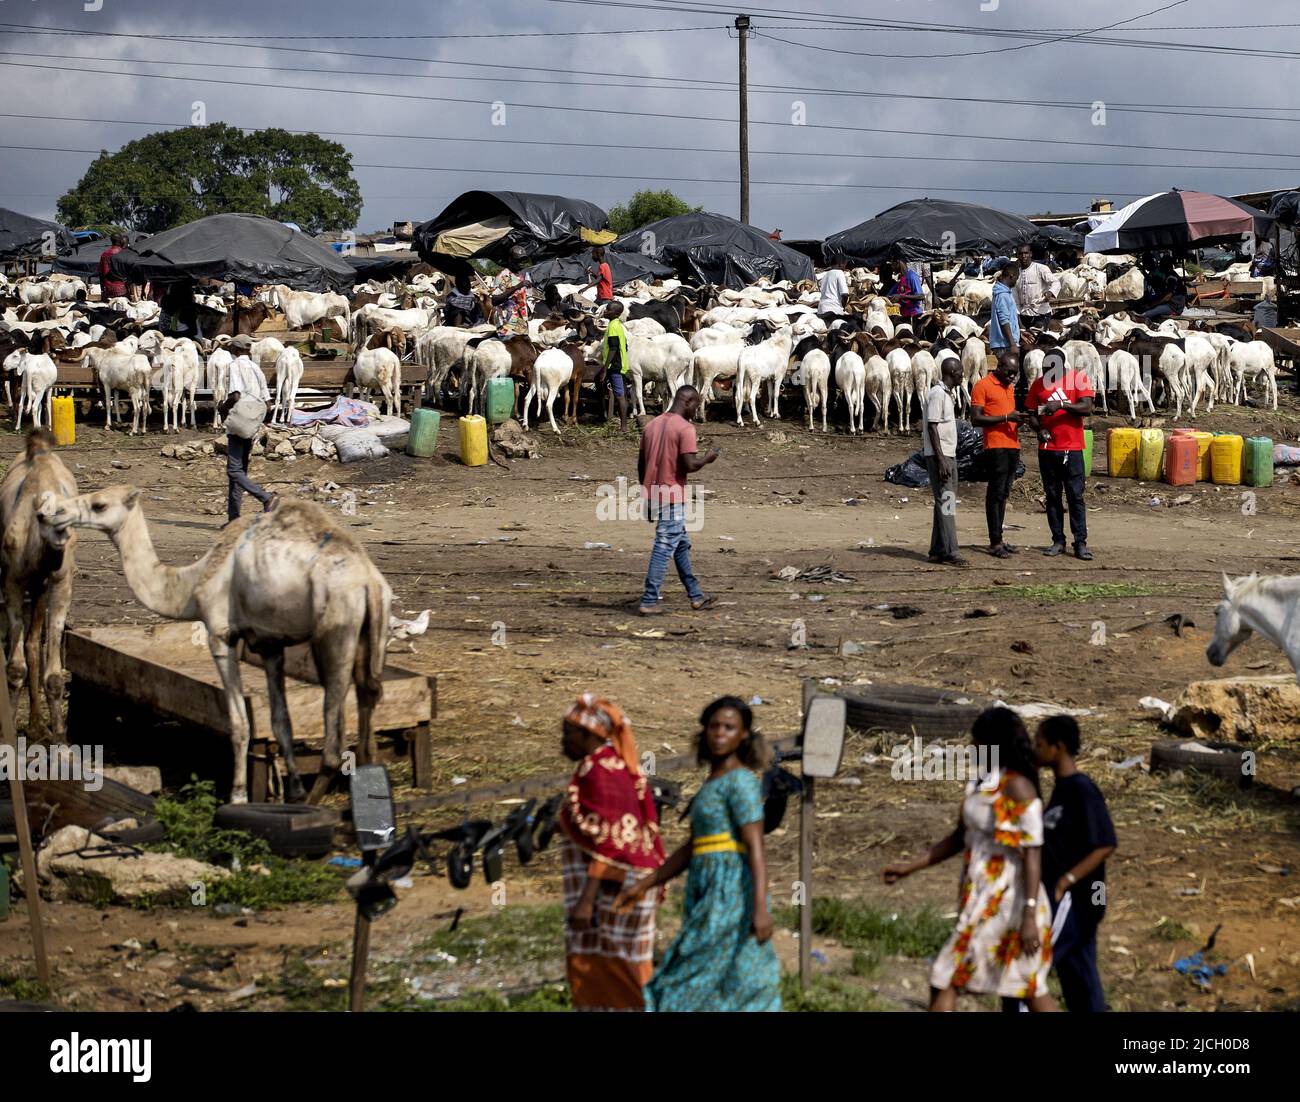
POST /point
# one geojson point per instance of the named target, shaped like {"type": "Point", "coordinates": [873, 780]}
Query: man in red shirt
{"type": "Point", "coordinates": [668, 455]}
{"type": "Point", "coordinates": [1057, 404]}
{"type": "Point", "coordinates": [993, 409]}
{"type": "Point", "coordinates": [604, 277]}
{"type": "Point", "coordinates": [110, 285]}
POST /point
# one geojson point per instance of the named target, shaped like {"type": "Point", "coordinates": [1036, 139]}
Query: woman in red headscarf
{"type": "Point", "coordinates": [611, 840]}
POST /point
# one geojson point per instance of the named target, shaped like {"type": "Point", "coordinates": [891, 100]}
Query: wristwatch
{"type": "Point", "coordinates": [1071, 878]}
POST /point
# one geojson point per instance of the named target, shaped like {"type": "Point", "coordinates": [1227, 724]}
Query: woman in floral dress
{"type": "Point", "coordinates": [722, 958]}
{"type": "Point", "coordinates": [1002, 941]}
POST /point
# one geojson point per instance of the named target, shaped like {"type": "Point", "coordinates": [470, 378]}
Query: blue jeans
{"type": "Point", "coordinates": [671, 542]}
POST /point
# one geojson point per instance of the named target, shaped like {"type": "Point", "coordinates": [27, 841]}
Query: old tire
{"type": "Point", "coordinates": [1225, 763]}
{"type": "Point", "coordinates": [932, 712]}
{"type": "Point", "coordinates": [291, 830]}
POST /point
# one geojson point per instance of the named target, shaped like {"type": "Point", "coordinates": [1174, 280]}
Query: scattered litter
{"type": "Point", "coordinates": [457, 780]}
{"type": "Point", "coordinates": [596, 546]}
{"type": "Point", "coordinates": [339, 861]}
{"type": "Point", "coordinates": [1195, 747]}
{"type": "Point", "coordinates": [852, 782]}
{"type": "Point", "coordinates": [850, 501]}
{"type": "Point", "coordinates": [1194, 891]}
{"type": "Point", "coordinates": [400, 629]}
{"type": "Point", "coordinates": [650, 633]}
{"type": "Point", "coordinates": [513, 526]}
{"type": "Point", "coordinates": [818, 956]}
{"type": "Point", "coordinates": [1182, 499]}
{"type": "Point", "coordinates": [1041, 709]}
{"type": "Point", "coordinates": [1155, 704]}
{"type": "Point", "coordinates": [729, 539]}
{"type": "Point", "coordinates": [812, 574]}
{"type": "Point", "coordinates": [905, 612]}
{"type": "Point", "coordinates": [1250, 966]}
{"type": "Point", "coordinates": [403, 882]}
{"type": "Point", "coordinates": [1021, 646]}
{"type": "Point", "coordinates": [869, 759]}
{"type": "Point", "coordinates": [756, 700]}
{"type": "Point", "coordinates": [1155, 501]}
{"type": "Point", "coordinates": [850, 647]}
{"type": "Point", "coordinates": [518, 721]}
{"type": "Point", "coordinates": [980, 613]}
{"type": "Point", "coordinates": [245, 992]}
{"type": "Point", "coordinates": [1127, 763]}
{"type": "Point", "coordinates": [1198, 967]}
{"type": "Point", "coordinates": [816, 597]}
{"type": "Point", "coordinates": [1276, 870]}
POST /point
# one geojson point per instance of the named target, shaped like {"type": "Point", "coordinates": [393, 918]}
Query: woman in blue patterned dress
{"type": "Point", "coordinates": [722, 958]}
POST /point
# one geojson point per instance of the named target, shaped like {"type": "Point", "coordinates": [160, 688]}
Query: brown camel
{"type": "Point", "coordinates": [36, 562]}
{"type": "Point", "coordinates": [272, 580]}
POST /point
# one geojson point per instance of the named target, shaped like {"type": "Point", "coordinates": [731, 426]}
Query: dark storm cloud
{"type": "Point", "coordinates": [1072, 72]}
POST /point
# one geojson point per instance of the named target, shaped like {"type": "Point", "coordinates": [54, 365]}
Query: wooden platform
{"type": "Point", "coordinates": [167, 670]}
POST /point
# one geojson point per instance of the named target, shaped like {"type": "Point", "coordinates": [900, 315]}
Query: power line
{"type": "Point", "coordinates": [784, 124]}
{"type": "Point", "coordinates": [219, 38]}
{"type": "Point", "coordinates": [729, 150]}
{"type": "Point", "coordinates": [1173, 110]}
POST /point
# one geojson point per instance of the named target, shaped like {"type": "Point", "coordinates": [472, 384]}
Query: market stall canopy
{"type": "Point", "coordinates": [1176, 219]}
{"type": "Point", "coordinates": [243, 247]}
{"type": "Point", "coordinates": [23, 236]}
{"type": "Point", "coordinates": [712, 248]}
{"type": "Point", "coordinates": [84, 259]}
{"type": "Point", "coordinates": [930, 229]}
{"type": "Point", "coordinates": [511, 228]}
{"type": "Point", "coordinates": [623, 268]}
{"type": "Point", "coordinates": [1286, 208]}
{"type": "Point", "coordinates": [1059, 236]}
{"type": "Point", "coordinates": [393, 265]}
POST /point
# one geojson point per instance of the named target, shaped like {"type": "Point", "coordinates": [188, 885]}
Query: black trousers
{"type": "Point", "coordinates": [238, 452]}
{"type": "Point", "coordinates": [1063, 471]}
{"type": "Point", "coordinates": [1001, 468]}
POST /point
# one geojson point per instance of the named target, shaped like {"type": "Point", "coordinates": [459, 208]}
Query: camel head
{"type": "Point", "coordinates": [46, 508]}
{"type": "Point", "coordinates": [106, 510]}
{"type": "Point", "coordinates": [1229, 631]}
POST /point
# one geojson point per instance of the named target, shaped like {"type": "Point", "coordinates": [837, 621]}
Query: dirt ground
{"type": "Point", "coordinates": [525, 549]}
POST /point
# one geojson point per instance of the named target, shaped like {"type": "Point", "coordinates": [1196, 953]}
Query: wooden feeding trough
{"type": "Point", "coordinates": [167, 670]}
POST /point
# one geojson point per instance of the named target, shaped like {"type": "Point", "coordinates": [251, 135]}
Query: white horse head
{"type": "Point", "coordinates": [1229, 630]}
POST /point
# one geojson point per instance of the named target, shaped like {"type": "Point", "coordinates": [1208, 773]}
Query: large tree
{"type": "Point", "coordinates": [645, 207]}
{"type": "Point", "coordinates": [175, 176]}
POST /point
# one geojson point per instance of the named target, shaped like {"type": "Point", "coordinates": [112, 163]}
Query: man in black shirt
{"type": "Point", "coordinates": [1078, 836]}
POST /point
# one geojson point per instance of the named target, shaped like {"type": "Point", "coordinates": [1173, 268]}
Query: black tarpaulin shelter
{"type": "Point", "coordinates": [24, 236]}
{"type": "Point", "coordinates": [246, 248]}
{"type": "Point", "coordinates": [510, 228]}
{"type": "Point", "coordinates": [382, 265]}
{"type": "Point", "coordinates": [1286, 208]}
{"type": "Point", "coordinates": [84, 259]}
{"type": "Point", "coordinates": [930, 229]}
{"type": "Point", "coordinates": [1059, 236]}
{"type": "Point", "coordinates": [712, 248]}
{"type": "Point", "coordinates": [623, 268]}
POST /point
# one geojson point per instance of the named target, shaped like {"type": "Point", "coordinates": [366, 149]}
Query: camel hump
{"type": "Point", "coordinates": [39, 440]}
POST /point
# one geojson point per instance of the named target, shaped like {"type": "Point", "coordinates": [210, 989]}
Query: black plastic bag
{"type": "Point", "coordinates": [971, 464]}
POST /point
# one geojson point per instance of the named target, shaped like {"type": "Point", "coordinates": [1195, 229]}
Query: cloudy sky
{"type": "Point", "coordinates": [855, 104]}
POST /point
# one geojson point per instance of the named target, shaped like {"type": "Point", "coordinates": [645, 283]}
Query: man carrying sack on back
{"type": "Point", "coordinates": [244, 415]}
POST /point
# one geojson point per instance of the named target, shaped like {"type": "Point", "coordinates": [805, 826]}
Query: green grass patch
{"type": "Point", "coordinates": [876, 931]}
{"type": "Point", "coordinates": [866, 962]}
{"type": "Point", "coordinates": [21, 988]}
{"type": "Point", "coordinates": [189, 820]}
{"type": "Point", "coordinates": [827, 995]}
{"type": "Point", "coordinates": [553, 998]}
{"type": "Point", "coordinates": [513, 935]}
{"type": "Point", "coordinates": [1057, 592]}
{"type": "Point", "coordinates": [1172, 931]}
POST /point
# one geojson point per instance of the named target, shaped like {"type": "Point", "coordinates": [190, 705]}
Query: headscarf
{"type": "Point", "coordinates": [609, 808]}
{"type": "Point", "coordinates": [605, 719]}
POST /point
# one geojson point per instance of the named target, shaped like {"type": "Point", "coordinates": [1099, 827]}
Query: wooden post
{"type": "Point", "coordinates": [742, 26]}
{"type": "Point", "coordinates": [360, 951]}
{"type": "Point", "coordinates": [31, 887]}
{"type": "Point", "coordinates": [806, 820]}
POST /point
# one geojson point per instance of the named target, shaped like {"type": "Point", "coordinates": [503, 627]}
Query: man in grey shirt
{"type": "Point", "coordinates": [939, 445]}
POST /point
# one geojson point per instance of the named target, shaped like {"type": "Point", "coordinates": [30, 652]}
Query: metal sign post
{"type": "Point", "coordinates": [822, 742]}
{"type": "Point", "coordinates": [31, 887]}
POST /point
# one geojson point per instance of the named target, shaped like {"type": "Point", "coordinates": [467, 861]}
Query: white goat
{"type": "Point", "coordinates": [816, 368]}
{"type": "Point", "coordinates": [899, 363]}
{"type": "Point", "coordinates": [879, 387]}
{"type": "Point", "coordinates": [181, 371]}
{"type": "Point", "coordinates": [851, 378]}
{"type": "Point", "coordinates": [1250, 360]}
{"type": "Point", "coordinates": [38, 374]}
{"type": "Point", "coordinates": [1122, 369]}
{"type": "Point", "coordinates": [664, 360]}
{"type": "Point", "coordinates": [219, 381]}
{"type": "Point", "coordinates": [552, 371]}
{"type": "Point", "coordinates": [381, 368]}
{"type": "Point", "coordinates": [760, 363]}
{"type": "Point", "coordinates": [288, 374]}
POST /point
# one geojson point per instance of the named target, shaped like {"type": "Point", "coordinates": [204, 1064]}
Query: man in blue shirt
{"type": "Point", "coordinates": [1004, 325]}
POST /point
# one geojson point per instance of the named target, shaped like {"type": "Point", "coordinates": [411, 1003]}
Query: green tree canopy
{"type": "Point", "coordinates": [645, 207]}
{"type": "Point", "coordinates": [175, 176]}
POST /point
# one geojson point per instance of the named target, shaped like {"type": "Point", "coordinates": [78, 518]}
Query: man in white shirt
{"type": "Point", "coordinates": [1034, 290]}
{"type": "Point", "coordinates": [248, 378]}
{"type": "Point", "coordinates": [939, 445]}
{"type": "Point", "coordinates": [834, 288]}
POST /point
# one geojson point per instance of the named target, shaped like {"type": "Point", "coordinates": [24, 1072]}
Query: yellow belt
{"type": "Point", "coordinates": [717, 843]}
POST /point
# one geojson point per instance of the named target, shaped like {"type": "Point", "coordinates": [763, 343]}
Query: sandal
{"type": "Point", "coordinates": [999, 552]}
{"type": "Point", "coordinates": [271, 502]}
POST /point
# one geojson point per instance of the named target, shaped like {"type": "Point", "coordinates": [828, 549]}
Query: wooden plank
{"type": "Point", "coordinates": [73, 804]}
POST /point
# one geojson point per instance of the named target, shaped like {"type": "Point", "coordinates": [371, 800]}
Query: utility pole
{"type": "Point", "coordinates": [742, 26]}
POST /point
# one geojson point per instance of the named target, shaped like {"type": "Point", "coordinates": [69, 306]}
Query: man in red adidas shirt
{"type": "Point", "coordinates": [1057, 404]}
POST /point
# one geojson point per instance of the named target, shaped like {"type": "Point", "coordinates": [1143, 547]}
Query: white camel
{"type": "Point", "coordinates": [272, 580]}
{"type": "Point", "coordinates": [1268, 605]}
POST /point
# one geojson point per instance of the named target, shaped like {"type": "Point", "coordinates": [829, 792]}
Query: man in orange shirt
{"type": "Point", "coordinates": [993, 409]}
